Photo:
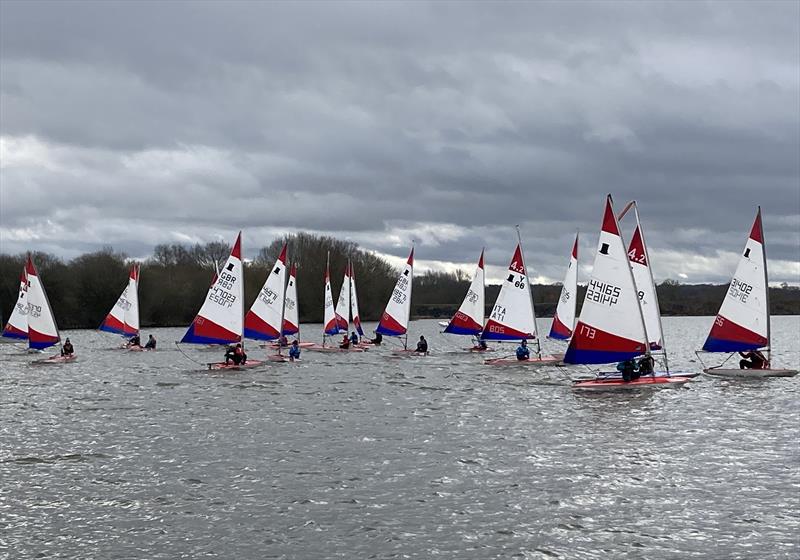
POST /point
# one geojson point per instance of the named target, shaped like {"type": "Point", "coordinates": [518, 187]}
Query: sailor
{"type": "Point", "coordinates": [353, 338]}
{"type": "Point", "coordinates": [283, 341]}
{"type": "Point", "coordinates": [134, 341]}
{"type": "Point", "coordinates": [378, 338]}
{"type": "Point", "coordinates": [482, 345]}
{"type": "Point", "coordinates": [294, 351]}
{"type": "Point", "coordinates": [345, 343]}
{"type": "Point", "coordinates": [522, 350]}
{"type": "Point", "coordinates": [646, 365]}
{"type": "Point", "coordinates": [753, 359]}
{"type": "Point", "coordinates": [628, 369]}
{"type": "Point", "coordinates": [151, 343]}
{"type": "Point", "coordinates": [67, 349]}
{"type": "Point", "coordinates": [422, 345]}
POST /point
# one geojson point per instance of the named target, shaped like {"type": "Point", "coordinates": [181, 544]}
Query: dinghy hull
{"type": "Point", "coordinates": [750, 373]}
{"type": "Point", "coordinates": [606, 384]}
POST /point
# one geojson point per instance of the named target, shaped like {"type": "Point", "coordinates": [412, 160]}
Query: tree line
{"type": "Point", "coordinates": [174, 280]}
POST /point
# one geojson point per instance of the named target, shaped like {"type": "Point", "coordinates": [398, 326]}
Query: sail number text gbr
{"type": "Point", "coordinates": [220, 293]}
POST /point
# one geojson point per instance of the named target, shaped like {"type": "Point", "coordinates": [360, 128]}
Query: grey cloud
{"type": "Point", "coordinates": [363, 119]}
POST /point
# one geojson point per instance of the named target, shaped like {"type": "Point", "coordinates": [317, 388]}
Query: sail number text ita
{"type": "Point", "coordinates": [602, 293]}
{"type": "Point", "coordinates": [498, 313]}
{"type": "Point", "coordinates": [740, 290]}
{"type": "Point", "coordinates": [219, 294]}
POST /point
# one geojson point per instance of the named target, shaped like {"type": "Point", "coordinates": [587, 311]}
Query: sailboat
{"type": "Point", "coordinates": [291, 310]}
{"type": "Point", "coordinates": [123, 319]}
{"type": "Point", "coordinates": [343, 303]}
{"type": "Point", "coordinates": [612, 326]}
{"type": "Point", "coordinates": [396, 315]}
{"type": "Point", "coordinates": [332, 320]}
{"type": "Point", "coordinates": [220, 320]}
{"type": "Point", "coordinates": [564, 318]}
{"type": "Point", "coordinates": [513, 318]}
{"type": "Point", "coordinates": [17, 326]}
{"type": "Point", "coordinates": [743, 321]}
{"type": "Point", "coordinates": [469, 319]}
{"type": "Point", "coordinates": [42, 329]}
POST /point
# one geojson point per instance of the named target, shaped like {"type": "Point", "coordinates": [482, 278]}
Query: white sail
{"type": "Point", "coordinates": [42, 329]}
{"type": "Point", "coordinates": [564, 318]}
{"type": "Point", "coordinates": [221, 317]}
{"type": "Point", "coordinates": [264, 320]}
{"type": "Point", "coordinates": [343, 303]}
{"type": "Point", "coordinates": [469, 318]}
{"type": "Point", "coordinates": [394, 321]}
{"type": "Point", "coordinates": [643, 276]}
{"type": "Point", "coordinates": [291, 309]}
{"type": "Point", "coordinates": [743, 319]}
{"type": "Point", "coordinates": [354, 303]}
{"type": "Point", "coordinates": [512, 317]}
{"type": "Point", "coordinates": [17, 326]}
{"type": "Point", "coordinates": [330, 326]}
{"type": "Point", "coordinates": [124, 316]}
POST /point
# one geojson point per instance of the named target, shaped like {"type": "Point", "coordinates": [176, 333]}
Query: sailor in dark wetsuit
{"type": "Point", "coordinates": [753, 359]}
{"type": "Point", "coordinates": [628, 370]}
{"type": "Point", "coordinates": [67, 349]}
{"type": "Point", "coordinates": [422, 345]}
{"type": "Point", "coordinates": [646, 365]}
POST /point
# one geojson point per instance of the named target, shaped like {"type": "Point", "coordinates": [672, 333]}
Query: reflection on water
{"type": "Point", "coordinates": [145, 455]}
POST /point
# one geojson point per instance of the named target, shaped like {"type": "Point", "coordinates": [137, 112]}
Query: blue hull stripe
{"type": "Point", "coordinates": [106, 328]}
{"type": "Point", "coordinates": [450, 329]}
{"type": "Point", "coordinates": [722, 345]}
{"type": "Point", "coordinates": [383, 330]}
{"type": "Point", "coordinates": [41, 345]}
{"type": "Point", "coordinates": [574, 356]}
{"type": "Point", "coordinates": [15, 335]}
{"type": "Point", "coordinates": [558, 336]}
{"type": "Point", "coordinates": [257, 335]}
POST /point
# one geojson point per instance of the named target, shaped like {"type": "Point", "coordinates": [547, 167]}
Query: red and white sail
{"type": "Point", "coordinates": [564, 318]}
{"type": "Point", "coordinates": [354, 302]}
{"type": "Point", "coordinates": [611, 327]}
{"type": "Point", "coordinates": [291, 309]}
{"type": "Point", "coordinates": [469, 318]}
{"type": "Point", "coordinates": [329, 325]}
{"type": "Point", "coordinates": [743, 319]}
{"type": "Point", "coordinates": [221, 317]}
{"type": "Point", "coordinates": [17, 326]}
{"type": "Point", "coordinates": [264, 320]}
{"type": "Point", "coordinates": [124, 316]}
{"type": "Point", "coordinates": [512, 317]}
{"type": "Point", "coordinates": [394, 321]}
{"type": "Point", "coordinates": [643, 276]}
{"type": "Point", "coordinates": [343, 303]}
{"type": "Point", "coordinates": [42, 329]}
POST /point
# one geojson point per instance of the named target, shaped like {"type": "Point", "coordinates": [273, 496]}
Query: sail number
{"type": "Point", "coordinates": [399, 297]}
{"type": "Point", "coordinates": [498, 313]}
{"type": "Point", "coordinates": [636, 257]}
{"type": "Point", "coordinates": [602, 293]}
{"type": "Point", "coordinates": [34, 310]}
{"type": "Point", "coordinates": [268, 295]}
{"type": "Point", "coordinates": [740, 290]}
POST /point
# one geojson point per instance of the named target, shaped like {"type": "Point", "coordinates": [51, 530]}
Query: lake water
{"type": "Point", "coordinates": [145, 455]}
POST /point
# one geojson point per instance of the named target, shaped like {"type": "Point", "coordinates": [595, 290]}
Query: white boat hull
{"type": "Point", "coordinates": [750, 373]}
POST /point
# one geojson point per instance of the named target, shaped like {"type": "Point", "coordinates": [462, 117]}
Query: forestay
{"type": "Point", "coordinates": [611, 327]}
{"type": "Point", "coordinates": [743, 322]}
{"type": "Point", "coordinates": [394, 321]}
{"type": "Point", "coordinates": [263, 321]}
{"type": "Point", "coordinates": [564, 318]}
{"type": "Point", "coordinates": [17, 326]}
{"type": "Point", "coordinates": [512, 316]}
{"type": "Point", "coordinates": [42, 329]}
{"type": "Point", "coordinates": [469, 318]}
{"type": "Point", "coordinates": [220, 319]}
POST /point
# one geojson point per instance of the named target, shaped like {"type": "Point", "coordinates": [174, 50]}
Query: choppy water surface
{"type": "Point", "coordinates": [143, 455]}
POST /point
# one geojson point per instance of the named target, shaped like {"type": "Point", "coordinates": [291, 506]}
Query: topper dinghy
{"type": "Point", "coordinates": [743, 321]}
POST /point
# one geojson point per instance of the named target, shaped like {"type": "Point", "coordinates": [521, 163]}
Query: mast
{"type": "Point", "coordinates": [241, 292]}
{"type": "Point", "coordinates": [283, 312]}
{"type": "Point", "coordinates": [655, 292]}
{"type": "Point", "coordinates": [410, 289]}
{"type": "Point", "coordinates": [530, 295]}
{"type": "Point", "coordinates": [766, 286]}
{"type": "Point", "coordinates": [324, 296]}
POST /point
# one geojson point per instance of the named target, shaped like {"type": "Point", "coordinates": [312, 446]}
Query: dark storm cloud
{"type": "Point", "coordinates": [139, 123]}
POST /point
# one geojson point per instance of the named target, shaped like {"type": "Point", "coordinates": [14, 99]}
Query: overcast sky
{"type": "Point", "coordinates": [133, 124]}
